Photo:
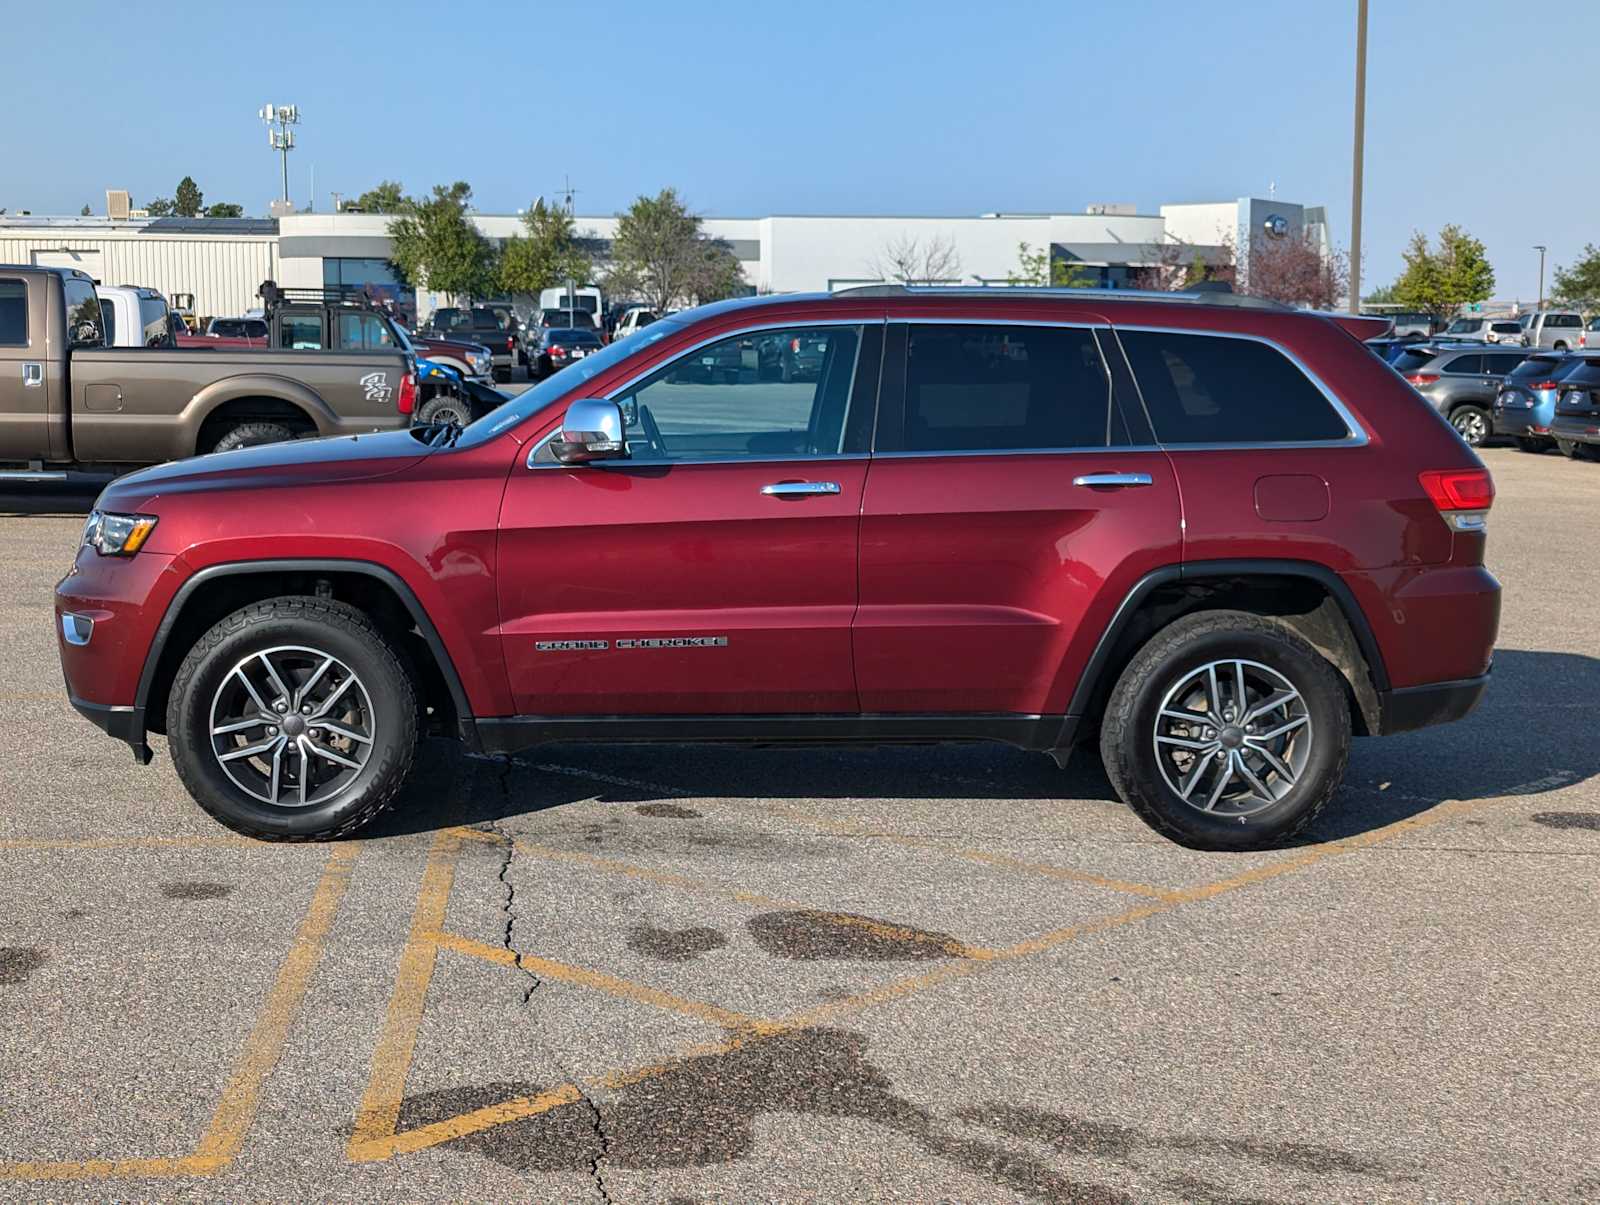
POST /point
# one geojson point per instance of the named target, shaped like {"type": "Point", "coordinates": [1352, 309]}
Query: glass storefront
{"type": "Point", "coordinates": [378, 277]}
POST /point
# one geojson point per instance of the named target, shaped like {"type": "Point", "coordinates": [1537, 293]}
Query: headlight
{"type": "Point", "coordinates": [117, 535]}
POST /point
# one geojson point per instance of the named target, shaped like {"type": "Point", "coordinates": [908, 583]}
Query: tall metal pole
{"type": "Point", "coordinates": [1355, 171]}
{"type": "Point", "coordinates": [286, 174]}
{"type": "Point", "coordinates": [1541, 249]}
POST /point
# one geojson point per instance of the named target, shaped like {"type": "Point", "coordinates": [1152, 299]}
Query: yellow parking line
{"type": "Point", "coordinates": [451, 1128]}
{"type": "Point", "coordinates": [611, 985]}
{"type": "Point", "coordinates": [240, 1098]}
{"type": "Point", "coordinates": [379, 1112]}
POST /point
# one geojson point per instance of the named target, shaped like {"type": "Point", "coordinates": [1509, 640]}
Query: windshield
{"type": "Point", "coordinates": [568, 380]}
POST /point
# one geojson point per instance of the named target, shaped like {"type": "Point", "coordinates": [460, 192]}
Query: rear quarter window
{"type": "Point", "coordinates": [13, 313]}
{"type": "Point", "coordinates": [1203, 389]}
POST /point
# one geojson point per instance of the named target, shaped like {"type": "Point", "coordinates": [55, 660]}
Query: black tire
{"type": "Point", "coordinates": [444, 407]}
{"type": "Point", "coordinates": [1532, 443]}
{"type": "Point", "coordinates": [1472, 424]}
{"type": "Point", "coordinates": [329, 628]}
{"type": "Point", "coordinates": [1559, 345]}
{"type": "Point", "coordinates": [249, 435]}
{"type": "Point", "coordinates": [1585, 452]}
{"type": "Point", "coordinates": [1128, 731]}
{"type": "Point", "coordinates": [502, 376]}
{"type": "Point", "coordinates": [1568, 448]}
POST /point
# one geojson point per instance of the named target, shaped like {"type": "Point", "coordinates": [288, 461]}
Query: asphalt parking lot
{"type": "Point", "coordinates": [694, 973]}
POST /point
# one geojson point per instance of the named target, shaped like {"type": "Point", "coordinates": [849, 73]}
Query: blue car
{"type": "Point", "coordinates": [1526, 403]}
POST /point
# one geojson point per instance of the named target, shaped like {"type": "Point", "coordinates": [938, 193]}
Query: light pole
{"type": "Point", "coordinates": [281, 139]}
{"type": "Point", "coordinates": [1541, 249]}
{"type": "Point", "coordinates": [1355, 171]}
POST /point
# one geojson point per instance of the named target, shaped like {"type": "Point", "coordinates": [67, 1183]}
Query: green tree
{"type": "Point", "coordinates": [1442, 281]}
{"type": "Point", "coordinates": [161, 207]}
{"type": "Point", "coordinates": [548, 256]}
{"type": "Point", "coordinates": [437, 245]}
{"type": "Point", "coordinates": [1381, 296]}
{"type": "Point", "coordinates": [225, 209]}
{"type": "Point", "coordinates": [1579, 285]}
{"type": "Point", "coordinates": [1038, 268]}
{"type": "Point", "coordinates": [188, 200]}
{"type": "Point", "coordinates": [387, 197]}
{"type": "Point", "coordinates": [661, 255]}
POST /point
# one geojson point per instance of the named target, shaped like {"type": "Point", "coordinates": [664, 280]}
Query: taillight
{"type": "Point", "coordinates": [557, 350]}
{"type": "Point", "coordinates": [511, 343]}
{"type": "Point", "coordinates": [1544, 385]}
{"type": "Point", "coordinates": [406, 398]}
{"type": "Point", "coordinates": [1419, 379]}
{"type": "Point", "coordinates": [1462, 496]}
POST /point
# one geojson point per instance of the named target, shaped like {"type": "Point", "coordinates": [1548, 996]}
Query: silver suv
{"type": "Point", "coordinates": [1558, 329]}
{"type": "Point", "coordinates": [1460, 381]}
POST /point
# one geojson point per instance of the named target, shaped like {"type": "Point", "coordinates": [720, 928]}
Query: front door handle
{"type": "Point", "coordinates": [1113, 479]}
{"type": "Point", "coordinates": [799, 489]}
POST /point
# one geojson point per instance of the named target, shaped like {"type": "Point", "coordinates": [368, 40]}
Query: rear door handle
{"type": "Point", "coordinates": [1114, 479]}
{"type": "Point", "coordinates": [799, 489]}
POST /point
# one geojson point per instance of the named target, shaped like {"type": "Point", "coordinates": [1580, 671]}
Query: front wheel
{"type": "Point", "coordinates": [1531, 443]}
{"type": "Point", "coordinates": [1227, 731]}
{"type": "Point", "coordinates": [1568, 448]}
{"type": "Point", "coordinates": [293, 720]}
{"type": "Point", "coordinates": [444, 408]}
{"type": "Point", "coordinates": [1472, 424]}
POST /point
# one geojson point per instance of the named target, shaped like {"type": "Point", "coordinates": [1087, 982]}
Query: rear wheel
{"type": "Point", "coordinates": [249, 435]}
{"type": "Point", "coordinates": [1472, 424]}
{"type": "Point", "coordinates": [293, 720]}
{"type": "Point", "coordinates": [1531, 443]}
{"type": "Point", "coordinates": [1226, 731]}
{"type": "Point", "coordinates": [1567, 448]}
{"type": "Point", "coordinates": [444, 408]}
{"type": "Point", "coordinates": [1559, 345]}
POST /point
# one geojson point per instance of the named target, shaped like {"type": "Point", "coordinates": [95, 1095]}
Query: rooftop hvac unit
{"type": "Point", "coordinates": [118, 204]}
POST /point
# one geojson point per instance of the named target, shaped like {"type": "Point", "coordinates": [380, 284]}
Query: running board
{"type": "Point", "coordinates": [31, 475]}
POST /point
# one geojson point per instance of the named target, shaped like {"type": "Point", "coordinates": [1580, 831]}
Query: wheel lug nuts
{"type": "Point", "coordinates": [1222, 755]}
{"type": "Point", "coordinates": [272, 730]}
{"type": "Point", "coordinates": [306, 710]}
{"type": "Point", "coordinates": [280, 707]}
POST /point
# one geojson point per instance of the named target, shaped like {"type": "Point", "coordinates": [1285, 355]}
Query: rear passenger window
{"type": "Point", "coordinates": [303, 332]}
{"type": "Point", "coordinates": [1006, 388]}
{"type": "Point", "coordinates": [1214, 389]}
{"type": "Point", "coordinates": [1472, 364]}
{"type": "Point", "coordinates": [13, 313]}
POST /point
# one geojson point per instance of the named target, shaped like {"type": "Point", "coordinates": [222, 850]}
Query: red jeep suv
{"type": "Point", "coordinates": [1216, 535]}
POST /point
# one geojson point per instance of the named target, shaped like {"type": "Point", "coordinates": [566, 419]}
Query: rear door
{"type": "Point", "coordinates": [714, 570]}
{"type": "Point", "coordinates": [31, 386]}
{"type": "Point", "coordinates": [1011, 503]}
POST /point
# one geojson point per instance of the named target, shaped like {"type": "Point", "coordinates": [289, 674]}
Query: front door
{"type": "Point", "coordinates": [714, 570]}
{"type": "Point", "coordinates": [1014, 499]}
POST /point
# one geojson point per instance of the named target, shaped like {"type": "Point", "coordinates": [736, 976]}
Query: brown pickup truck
{"type": "Point", "coordinates": [68, 401]}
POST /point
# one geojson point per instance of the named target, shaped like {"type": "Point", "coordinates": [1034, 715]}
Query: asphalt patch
{"type": "Point", "coordinates": [805, 935]}
{"type": "Point", "coordinates": [1119, 1143]}
{"type": "Point", "coordinates": [667, 811]}
{"type": "Point", "coordinates": [196, 890]}
{"type": "Point", "coordinates": [1588, 820]}
{"type": "Point", "coordinates": [18, 962]}
{"type": "Point", "coordinates": [702, 1113]}
{"type": "Point", "coordinates": [674, 945]}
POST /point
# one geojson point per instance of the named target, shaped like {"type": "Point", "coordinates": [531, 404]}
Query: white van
{"type": "Point", "coordinates": [585, 298]}
{"type": "Point", "coordinates": [134, 317]}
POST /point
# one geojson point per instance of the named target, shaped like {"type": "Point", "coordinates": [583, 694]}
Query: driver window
{"type": "Point", "coordinates": [773, 393]}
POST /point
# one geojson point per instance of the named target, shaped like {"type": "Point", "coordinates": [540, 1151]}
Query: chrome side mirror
{"type": "Point", "coordinates": [591, 430]}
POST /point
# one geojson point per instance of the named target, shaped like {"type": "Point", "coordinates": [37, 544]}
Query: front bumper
{"type": "Point", "coordinates": [1411, 707]}
{"type": "Point", "coordinates": [120, 723]}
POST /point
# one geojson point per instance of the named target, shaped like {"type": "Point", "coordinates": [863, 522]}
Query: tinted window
{"type": "Point", "coordinates": [1468, 364]}
{"type": "Point", "coordinates": [733, 398]}
{"type": "Point", "coordinates": [358, 332]}
{"type": "Point", "coordinates": [1499, 365]}
{"type": "Point", "coordinates": [1411, 359]}
{"type": "Point", "coordinates": [1000, 388]}
{"type": "Point", "coordinates": [13, 313]}
{"type": "Point", "coordinates": [1568, 321]}
{"type": "Point", "coordinates": [108, 319]}
{"type": "Point", "coordinates": [153, 317]}
{"type": "Point", "coordinates": [84, 323]}
{"type": "Point", "coordinates": [1211, 389]}
{"type": "Point", "coordinates": [302, 331]}
{"type": "Point", "coordinates": [572, 337]}
{"type": "Point", "coordinates": [1585, 373]}
{"type": "Point", "coordinates": [1506, 328]}
{"type": "Point", "coordinates": [1536, 366]}
{"type": "Point", "coordinates": [487, 320]}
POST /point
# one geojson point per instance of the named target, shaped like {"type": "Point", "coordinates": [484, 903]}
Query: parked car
{"type": "Point", "coordinates": [567, 320]}
{"type": "Point", "coordinates": [1589, 337]}
{"type": "Point", "coordinates": [1576, 425]}
{"type": "Point", "coordinates": [1217, 536]}
{"type": "Point", "coordinates": [135, 317]}
{"type": "Point", "coordinates": [480, 325]}
{"type": "Point", "coordinates": [1466, 328]}
{"type": "Point", "coordinates": [1460, 382]}
{"type": "Point", "coordinates": [559, 347]}
{"type": "Point", "coordinates": [587, 298]}
{"type": "Point", "coordinates": [1390, 349]}
{"type": "Point", "coordinates": [237, 328]}
{"type": "Point", "coordinates": [68, 401]}
{"type": "Point", "coordinates": [1504, 332]}
{"type": "Point", "coordinates": [794, 358]}
{"type": "Point", "coordinates": [633, 319]}
{"type": "Point", "coordinates": [1560, 330]}
{"type": "Point", "coordinates": [1526, 403]}
{"type": "Point", "coordinates": [1418, 323]}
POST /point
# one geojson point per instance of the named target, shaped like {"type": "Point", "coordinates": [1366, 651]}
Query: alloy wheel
{"type": "Point", "coordinates": [1472, 427]}
{"type": "Point", "coordinates": [1232, 737]}
{"type": "Point", "coordinates": [292, 726]}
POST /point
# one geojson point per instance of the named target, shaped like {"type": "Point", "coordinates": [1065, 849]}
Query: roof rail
{"type": "Point", "coordinates": [1210, 296]}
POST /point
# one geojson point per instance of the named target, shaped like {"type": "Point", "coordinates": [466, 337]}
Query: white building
{"type": "Point", "coordinates": [223, 261]}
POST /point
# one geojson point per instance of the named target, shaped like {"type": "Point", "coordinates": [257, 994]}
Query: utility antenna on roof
{"type": "Point", "coordinates": [568, 192]}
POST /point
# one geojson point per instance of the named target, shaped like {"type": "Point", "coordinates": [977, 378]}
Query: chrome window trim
{"type": "Point", "coordinates": [734, 333]}
{"type": "Point", "coordinates": [1355, 437]}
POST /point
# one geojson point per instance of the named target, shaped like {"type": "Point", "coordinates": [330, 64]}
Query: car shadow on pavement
{"type": "Point", "coordinates": [49, 500]}
{"type": "Point", "coordinates": [1520, 741]}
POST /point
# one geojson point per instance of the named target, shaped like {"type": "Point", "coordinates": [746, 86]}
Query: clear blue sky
{"type": "Point", "coordinates": [887, 106]}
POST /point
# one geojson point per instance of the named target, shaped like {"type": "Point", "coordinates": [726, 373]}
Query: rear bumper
{"type": "Point", "coordinates": [1411, 707]}
{"type": "Point", "coordinates": [1514, 422]}
{"type": "Point", "coordinates": [1578, 430]}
